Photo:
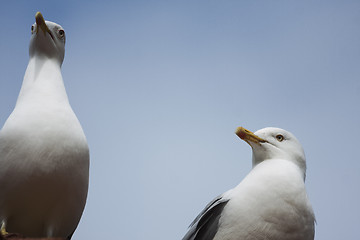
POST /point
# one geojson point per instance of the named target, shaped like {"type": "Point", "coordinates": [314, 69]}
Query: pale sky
{"type": "Point", "coordinates": [160, 87]}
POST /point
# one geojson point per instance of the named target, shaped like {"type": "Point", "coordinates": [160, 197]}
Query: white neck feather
{"type": "Point", "coordinates": [42, 82]}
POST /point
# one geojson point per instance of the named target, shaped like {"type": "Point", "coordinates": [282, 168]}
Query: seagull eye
{"type": "Point", "coordinates": [61, 33]}
{"type": "Point", "coordinates": [280, 137]}
{"type": "Point", "coordinates": [32, 28]}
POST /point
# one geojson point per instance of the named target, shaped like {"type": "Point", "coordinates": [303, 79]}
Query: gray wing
{"type": "Point", "coordinates": [206, 224]}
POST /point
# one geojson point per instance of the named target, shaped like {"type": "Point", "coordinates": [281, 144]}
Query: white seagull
{"type": "Point", "coordinates": [270, 203]}
{"type": "Point", "coordinates": [44, 156]}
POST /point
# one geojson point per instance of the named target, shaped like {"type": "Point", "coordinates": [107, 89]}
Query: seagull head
{"type": "Point", "coordinates": [273, 143]}
{"type": "Point", "coordinates": [47, 39]}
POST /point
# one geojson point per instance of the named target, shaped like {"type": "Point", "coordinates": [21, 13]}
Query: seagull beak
{"type": "Point", "coordinates": [40, 22]}
{"type": "Point", "coordinates": [248, 136]}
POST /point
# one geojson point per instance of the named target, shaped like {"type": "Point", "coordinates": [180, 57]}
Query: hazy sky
{"type": "Point", "coordinates": [160, 87]}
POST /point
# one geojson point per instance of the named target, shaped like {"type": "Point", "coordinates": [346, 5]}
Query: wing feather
{"type": "Point", "coordinates": [206, 224]}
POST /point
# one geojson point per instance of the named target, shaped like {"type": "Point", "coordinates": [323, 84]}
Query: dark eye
{"type": "Point", "coordinates": [61, 33]}
{"type": "Point", "coordinates": [280, 137]}
{"type": "Point", "coordinates": [32, 28]}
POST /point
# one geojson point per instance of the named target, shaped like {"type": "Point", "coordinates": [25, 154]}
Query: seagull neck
{"type": "Point", "coordinates": [301, 168]}
{"type": "Point", "coordinates": [43, 81]}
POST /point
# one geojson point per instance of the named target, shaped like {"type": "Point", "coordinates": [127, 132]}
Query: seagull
{"type": "Point", "coordinates": [44, 155]}
{"type": "Point", "coordinates": [270, 203]}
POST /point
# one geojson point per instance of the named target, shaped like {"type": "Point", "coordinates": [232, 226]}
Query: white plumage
{"type": "Point", "coordinates": [270, 203]}
{"type": "Point", "coordinates": [44, 156]}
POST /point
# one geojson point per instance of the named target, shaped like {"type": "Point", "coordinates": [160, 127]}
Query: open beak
{"type": "Point", "coordinates": [248, 136]}
{"type": "Point", "coordinates": [40, 22]}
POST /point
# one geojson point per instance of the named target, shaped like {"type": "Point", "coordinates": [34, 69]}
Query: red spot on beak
{"type": "Point", "coordinates": [241, 134]}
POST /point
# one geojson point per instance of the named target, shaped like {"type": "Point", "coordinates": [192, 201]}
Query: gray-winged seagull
{"type": "Point", "coordinates": [270, 203]}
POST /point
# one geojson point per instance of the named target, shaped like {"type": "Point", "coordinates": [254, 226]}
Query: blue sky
{"type": "Point", "coordinates": [160, 87]}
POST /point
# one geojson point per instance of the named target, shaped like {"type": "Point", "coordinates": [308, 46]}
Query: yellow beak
{"type": "Point", "coordinates": [247, 136]}
{"type": "Point", "coordinates": [40, 22]}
